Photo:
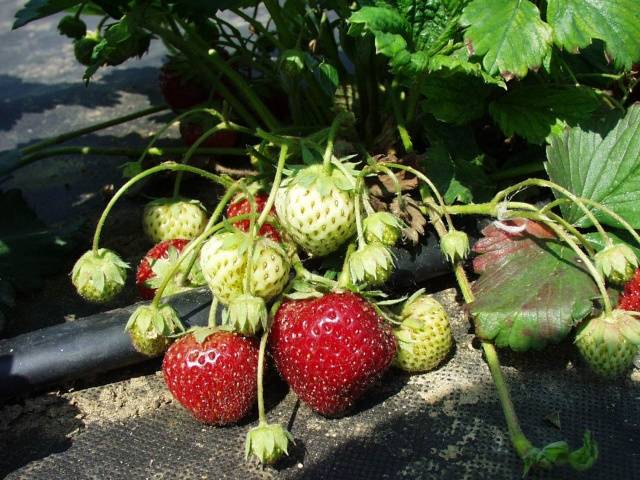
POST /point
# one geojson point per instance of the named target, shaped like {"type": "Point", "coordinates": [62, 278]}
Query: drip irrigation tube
{"type": "Point", "coordinates": [98, 343]}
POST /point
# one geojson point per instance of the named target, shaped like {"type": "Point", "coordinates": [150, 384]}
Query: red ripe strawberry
{"type": "Point", "coordinates": [191, 130]}
{"type": "Point", "coordinates": [242, 206]}
{"type": "Point", "coordinates": [331, 349]}
{"type": "Point", "coordinates": [157, 260]}
{"type": "Point", "coordinates": [630, 298]}
{"type": "Point", "coordinates": [214, 379]}
{"type": "Point", "coordinates": [180, 92]}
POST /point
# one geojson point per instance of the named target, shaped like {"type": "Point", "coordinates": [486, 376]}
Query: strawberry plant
{"type": "Point", "coordinates": [365, 125]}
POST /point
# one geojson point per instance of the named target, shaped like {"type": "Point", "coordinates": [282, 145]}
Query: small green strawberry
{"type": "Point", "coordinates": [247, 314]}
{"type": "Point", "coordinates": [268, 442]}
{"type": "Point", "coordinates": [99, 275]}
{"type": "Point", "coordinates": [424, 336]}
{"type": "Point", "coordinates": [371, 264]}
{"type": "Point", "coordinates": [223, 260]}
{"type": "Point", "coordinates": [382, 227]}
{"type": "Point", "coordinates": [150, 327]}
{"type": "Point", "coordinates": [171, 218]}
{"type": "Point", "coordinates": [455, 245]}
{"type": "Point", "coordinates": [609, 343]}
{"type": "Point", "coordinates": [72, 27]}
{"type": "Point", "coordinates": [83, 48]}
{"type": "Point", "coordinates": [317, 209]}
{"type": "Point", "coordinates": [617, 263]}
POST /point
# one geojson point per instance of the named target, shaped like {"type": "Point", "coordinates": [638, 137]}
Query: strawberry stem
{"type": "Point", "coordinates": [344, 279]}
{"type": "Point", "coordinates": [395, 94]}
{"type": "Point", "coordinates": [274, 187]}
{"type": "Point", "coordinates": [359, 187]}
{"type": "Point", "coordinates": [167, 166]}
{"type": "Point", "coordinates": [328, 151]}
{"type": "Point", "coordinates": [262, 416]}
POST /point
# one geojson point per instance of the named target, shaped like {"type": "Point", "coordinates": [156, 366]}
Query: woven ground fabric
{"type": "Point", "coordinates": [444, 424]}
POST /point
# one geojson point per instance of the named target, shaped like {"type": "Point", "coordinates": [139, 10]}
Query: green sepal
{"type": "Point", "coordinates": [268, 442]}
{"type": "Point", "coordinates": [247, 314]}
{"type": "Point", "coordinates": [151, 327]}
{"type": "Point", "coordinates": [455, 245]}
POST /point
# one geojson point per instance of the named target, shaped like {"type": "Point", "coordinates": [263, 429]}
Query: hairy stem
{"type": "Point", "coordinates": [262, 416]}
{"type": "Point", "coordinates": [331, 138]}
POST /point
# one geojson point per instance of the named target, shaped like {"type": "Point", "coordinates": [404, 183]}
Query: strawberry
{"type": "Point", "coordinates": [317, 209]}
{"type": "Point", "coordinates": [99, 275]}
{"type": "Point", "coordinates": [609, 343]}
{"type": "Point", "coordinates": [83, 48]}
{"type": "Point", "coordinates": [180, 90]}
{"type": "Point", "coordinates": [223, 262]}
{"type": "Point", "coordinates": [242, 206]}
{"type": "Point", "coordinates": [191, 129]}
{"type": "Point", "coordinates": [158, 262]}
{"type": "Point", "coordinates": [371, 264]}
{"type": "Point", "coordinates": [382, 227]}
{"type": "Point", "coordinates": [213, 377]}
{"type": "Point", "coordinates": [617, 263]}
{"type": "Point", "coordinates": [150, 327]}
{"type": "Point", "coordinates": [331, 349]}
{"type": "Point", "coordinates": [455, 245]}
{"type": "Point", "coordinates": [171, 218]}
{"type": "Point", "coordinates": [424, 336]}
{"type": "Point", "coordinates": [630, 298]}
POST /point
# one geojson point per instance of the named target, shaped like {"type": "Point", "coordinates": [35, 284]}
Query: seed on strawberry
{"type": "Point", "coordinates": [382, 227]}
{"type": "Point", "coordinates": [317, 209]}
{"type": "Point", "coordinates": [149, 328]}
{"type": "Point", "coordinates": [214, 377]}
{"type": "Point", "coordinates": [181, 90]}
{"type": "Point", "coordinates": [158, 262]}
{"type": "Point", "coordinates": [242, 206]}
{"type": "Point", "coordinates": [424, 336]}
{"type": "Point", "coordinates": [99, 275]}
{"type": "Point", "coordinates": [223, 263]}
{"type": "Point", "coordinates": [331, 349]}
{"type": "Point", "coordinates": [171, 218]}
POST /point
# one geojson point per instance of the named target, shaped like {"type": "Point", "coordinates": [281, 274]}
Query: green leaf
{"type": "Point", "coordinates": [379, 19]}
{"type": "Point", "coordinates": [36, 9]}
{"type": "Point", "coordinates": [509, 34]}
{"type": "Point", "coordinates": [28, 248]}
{"type": "Point", "coordinates": [617, 236]}
{"type": "Point", "coordinates": [599, 167]}
{"type": "Point", "coordinates": [576, 23]}
{"type": "Point", "coordinates": [532, 289]}
{"type": "Point", "coordinates": [536, 111]}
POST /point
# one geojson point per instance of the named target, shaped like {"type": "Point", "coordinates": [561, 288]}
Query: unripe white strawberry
{"type": "Point", "coordinates": [223, 260]}
{"type": "Point", "coordinates": [99, 275]}
{"type": "Point", "coordinates": [317, 209]}
{"type": "Point", "coordinates": [609, 343]}
{"type": "Point", "coordinates": [171, 218]}
{"type": "Point", "coordinates": [424, 336]}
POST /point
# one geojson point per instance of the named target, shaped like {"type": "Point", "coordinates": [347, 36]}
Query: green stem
{"type": "Point", "coordinates": [310, 276]}
{"type": "Point", "coordinates": [538, 182]}
{"type": "Point", "coordinates": [168, 166]}
{"type": "Point", "coordinates": [344, 279]}
{"type": "Point", "coordinates": [276, 14]}
{"type": "Point", "coordinates": [487, 209]}
{"type": "Point", "coordinates": [213, 309]}
{"type": "Point", "coordinates": [359, 229]}
{"type": "Point", "coordinates": [274, 188]}
{"type": "Point", "coordinates": [262, 416]}
{"type": "Point", "coordinates": [92, 128]}
{"type": "Point", "coordinates": [333, 131]}
{"type": "Point", "coordinates": [259, 28]}
{"type": "Point", "coordinates": [414, 95]}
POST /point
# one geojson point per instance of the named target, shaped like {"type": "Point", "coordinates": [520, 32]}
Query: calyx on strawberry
{"type": "Point", "coordinates": [247, 314]}
{"type": "Point", "coordinates": [268, 442]}
{"type": "Point", "coordinates": [424, 336]}
{"type": "Point", "coordinates": [158, 262]}
{"type": "Point", "coordinates": [317, 209]}
{"type": "Point", "coordinates": [179, 87]}
{"type": "Point", "coordinates": [371, 264]}
{"type": "Point", "coordinates": [223, 260]}
{"type": "Point", "coordinates": [455, 245]}
{"type": "Point", "coordinates": [213, 375]}
{"type": "Point", "coordinates": [242, 206]}
{"type": "Point", "coordinates": [609, 343]}
{"type": "Point", "coordinates": [99, 276]}
{"type": "Point", "coordinates": [331, 349]}
{"type": "Point", "coordinates": [171, 218]}
{"type": "Point", "coordinates": [382, 227]}
{"type": "Point", "coordinates": [150, 327]}
{"type": "Point", "coordinates": [194, 126]}
{"type": "Point", "coordinates": [617, 263]}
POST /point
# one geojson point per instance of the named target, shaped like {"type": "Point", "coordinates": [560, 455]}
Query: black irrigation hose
{"type": "Point", "coordinates": [98, 343]}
